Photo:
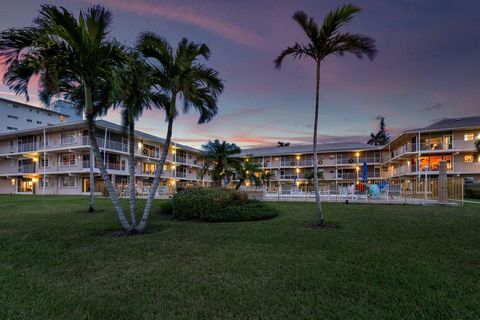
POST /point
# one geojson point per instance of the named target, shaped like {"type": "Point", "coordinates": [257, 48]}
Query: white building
{"type": "Point", "coordinates": [16, 116]}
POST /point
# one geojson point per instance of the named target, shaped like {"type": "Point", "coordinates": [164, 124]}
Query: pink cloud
{"type": "Point", "coordinates": [188, 15]}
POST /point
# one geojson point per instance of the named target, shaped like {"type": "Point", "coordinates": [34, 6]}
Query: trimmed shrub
{"type": "Point", "coordinates": [166, 207]}
{"type": "Point", "coordinates": [253, 210]}
{"type": "Point", "coordinates": [472, 190]}
{"type": "Point", "coordinates": [199, 203]}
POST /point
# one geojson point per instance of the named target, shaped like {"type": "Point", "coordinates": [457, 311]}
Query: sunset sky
{"type": "Point", "coordinates": [427, 68]}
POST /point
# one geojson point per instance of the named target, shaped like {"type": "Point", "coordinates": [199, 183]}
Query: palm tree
{"type": "Point", "coordinates": [247, 171]}
{"type": "Point", "coordinates": [266, 176]}
{"type": "Point", "coordinates": [221, 156]}
{"type": "Point", "coordinates": [380, 138]}
{"type": "Point", "coordinates": [323, 41]}
{"type": "Point", "coordinates": [134, 92]}
{"type": "Point", "coordinates": [309, 176]}
{"type": "Point", "coordinates": [67, 53]}
{"type": "Point", "coordinates": [181, 78]}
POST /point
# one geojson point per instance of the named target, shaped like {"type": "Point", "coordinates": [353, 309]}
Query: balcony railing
{"type": "Point", "coordinates": [347, 176]}
{"type": "Point", "coordinates": [182, 159]}
{"type": "Point", "coordinates": [358, 161]}
{"type": "Point", "coordinates": [110, 166]}
{"type": "Point", "coordinates": [181, 174]}
{"type": "Point", "coordinates": [433, 146]}
{"type": "Point", "coordinates": [111, 145]}
{"type": "Point", "coordinates": [26, 168]}
{"type": "Point", "coordinates": [27, 147]}
{"type": "Point", "coordinates": [296, 163]}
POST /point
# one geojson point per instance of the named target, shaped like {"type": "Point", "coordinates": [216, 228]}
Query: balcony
{"type": "Point", "coordinates": [182, 159]}
{"type": "Point", "coordinates": [359, 161]}
{"type": "Point", "coordinates": [350, 176]}
{"type": "Point", "coordinates": [435, 147]}
{"type": "Point", "coordinates": [109, 144]}
{"type": "Point", "coordinates": [26, 168]}
{"type": "Point", "coordinates": [109, 166]}
{"type": "Point", "coordinates": [27, 147]}
{"type": "Point", "coordinates": [181, 174]}
{"type": "Point", "coordinates": [297, 163]}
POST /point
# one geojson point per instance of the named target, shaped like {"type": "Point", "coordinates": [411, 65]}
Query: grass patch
{"type": "Point", "coordinates": [408, 262]}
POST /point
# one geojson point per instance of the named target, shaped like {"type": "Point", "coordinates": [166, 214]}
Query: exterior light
{"type": "Point", "coordinates": [246, 160]}
{"type": "Point", "coordinates": [408, 163]}
{"type": "Point", "coordinates": [140, 144]}
{"type": "Point", "coordinates": [247, 183]}
{"type": "Point", "coordinates": [298, 157]}
{"type": "Point", "coordinates": [13, 181]}
{"type": "Point", "coordinates": [165, 167]}
{"type": "Point", "coordinates": [298, 170]}
{"type": "Point", "coordinates": [357, 154]}
{"type": "Point", "coordinates": [35, 159]}
{"type": "Point", "coordinates": [357, 168]}
{"type": "Point", "coordinates": [247, 172]}
{"type": "Point", "coordinates": [34, 180]}
{"type": "Point", "coordinates": [298, 183]}
{"type": "Point", "coordinates": [173, 166]}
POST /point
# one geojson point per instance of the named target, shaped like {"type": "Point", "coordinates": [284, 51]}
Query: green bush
{"type": "Point", "coordinates": [253, 210]}
{"type": "Point", "coordinates": [472, 190]}
{"type": "Point", "coordinates": [166, 207]}
{"type": "Point", "coordinates": [199, 203]}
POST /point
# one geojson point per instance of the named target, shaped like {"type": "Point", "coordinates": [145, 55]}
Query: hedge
{"type": "Point", "coordinates": [472, 190]}
{"type": "Point", "coordinates": [253, 210]}
{"type": "Point", "coordinates": [200, 203]}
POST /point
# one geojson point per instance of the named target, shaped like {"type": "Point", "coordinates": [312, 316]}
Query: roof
{"type": "Point", "coordinates": [31, 106]}
{"type": "Point", "coordinates": [99, 123]}
{"type": "Point", "coordinates": [321, 148]}
{"type": "Point", "coordinates": [454, 123]}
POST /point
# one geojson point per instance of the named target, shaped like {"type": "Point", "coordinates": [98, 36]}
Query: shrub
{"type": "Point", "coordinates": [198, 203]}
{"type": "Point", "coordinates": [472, 190]}
{"type": "Point", "coordinates": [166, 207]}
{"type": "Point", "coordinates": [253, 210]}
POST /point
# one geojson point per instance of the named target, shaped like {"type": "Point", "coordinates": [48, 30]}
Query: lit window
{"type": "Point", "coordinates": [68, 159]}
{"type": "Point", "coordinates": [468, 158]}
{"type": "Point", "coordinates": [468, 136]}
{"type": "Point", "coordinates": [68, 182]}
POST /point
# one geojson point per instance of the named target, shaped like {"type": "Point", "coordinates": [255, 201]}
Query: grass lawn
{"type": "Point", "coordinates": [410, 262]}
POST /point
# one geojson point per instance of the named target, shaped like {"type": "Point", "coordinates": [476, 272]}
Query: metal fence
{"type": "Point", "coordinates": [396, 190]}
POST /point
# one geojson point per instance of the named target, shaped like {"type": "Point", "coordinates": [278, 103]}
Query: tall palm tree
{"type": "Point", "coordinates": [325, 40]}
{"type": "Point", "coordinates": [247, 171]}
{"type": "Point", "coordinates": [67, 53]}
{"type": "Point", "coordinates": [183, 79]}
{"type": "Point", "coordinates": [222, 156]}
{"type": "Point", "coordinates": [134, 92]}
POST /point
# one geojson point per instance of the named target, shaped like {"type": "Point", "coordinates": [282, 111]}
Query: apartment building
{"type": "Point", "coordinates": [419, 151]}
{"type": "Point", "coordinates": [337, 160]}
{"type": "Point", "coordinates": [16, 116]}
{"type": "Point", "coordinates": [56, 160]}
{"type": "Point", "coordinates": [412, 153]}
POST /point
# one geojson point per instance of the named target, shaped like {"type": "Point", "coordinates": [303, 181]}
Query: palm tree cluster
{"type": "Point", "coordinates": [380, 138]}
{"type": "Point", "coordinates": [77, 59]}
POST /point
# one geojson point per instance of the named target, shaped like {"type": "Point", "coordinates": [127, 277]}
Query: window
{"type": "Point", "coordinates": [68, 182]}
{"type": "Point", "coordinates": [29, 120]}
{"type": "Point", "coordinates": [68, 159]}
{"type": "Point", "coordinates": [12, 144]}
{"type": "Point", "coordinates": [12, 116]}
{"type": "Point", "coordinates": [43, 163]}
{"type": "Point", "coordinates": [30, 110]}
{"type": "Point", "coordinates": [12, 128]}
{"type": "Point", "coordinates": [14, 106]}
{"type": "Point", "coordinates": [468, 158]}
{"type": "Point", "coordinates": [39, 122]}
{"type": "Point", "coordinates": [68, 137]}
{"type": "Point", "coordinates": [41, 140]}
{"type": "Point", "coordinates": [468, 136]}
{"type": "Point", "coordinates": [41, 182]}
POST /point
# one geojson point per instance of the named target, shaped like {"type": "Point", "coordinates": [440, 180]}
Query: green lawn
{"type": "Point", "coordinates": [410, 262]}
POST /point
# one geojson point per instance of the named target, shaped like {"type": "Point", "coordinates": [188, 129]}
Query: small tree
{"type": "Point", "coordinates": [222, 156]}
{"type": "Point", "coordinates": [248, 171]}
{"type": "Point", "coordinates": [380, 138]}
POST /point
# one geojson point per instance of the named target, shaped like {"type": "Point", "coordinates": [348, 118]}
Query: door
{"type": "Point", "coordinates": [25, 185]}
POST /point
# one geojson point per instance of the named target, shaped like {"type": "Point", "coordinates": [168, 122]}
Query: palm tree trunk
{"type": "Point", "coordinates": [131, 166]}
{"type": "Point", "coordinates": [91, 209]}
{"type": "Point", "coordinates": [156, 180]}
{"type": "Point", "coordinates": [321, 222]}
{"type": "Point", "coordinates": [103, 171]}
{"type": "Point", "coordinates": [96, 152]}
{"type": "Point", "coordinates": [88, 102]}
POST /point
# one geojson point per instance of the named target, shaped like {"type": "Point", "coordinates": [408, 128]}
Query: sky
{"type": "Point", "coordinates": [427, 67]}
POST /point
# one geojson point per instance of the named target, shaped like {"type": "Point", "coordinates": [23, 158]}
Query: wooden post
{"type": "Point", "coordinates": [442, 182]}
